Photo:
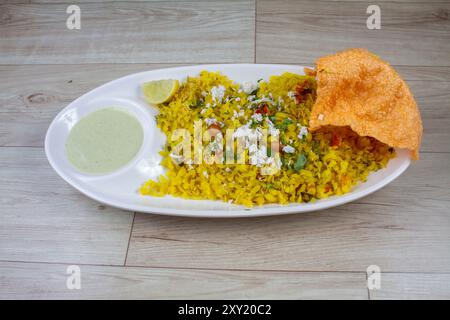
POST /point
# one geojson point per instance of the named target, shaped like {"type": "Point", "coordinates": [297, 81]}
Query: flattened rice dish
{"type": "Point", "coordinates": [289, 138]}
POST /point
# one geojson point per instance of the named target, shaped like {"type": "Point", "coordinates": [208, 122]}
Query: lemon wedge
{"type": "Point", "coordinates": [160, 91]}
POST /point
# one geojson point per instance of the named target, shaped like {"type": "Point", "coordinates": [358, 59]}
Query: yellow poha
{"type": "Point", "coordinates": [315, 165]}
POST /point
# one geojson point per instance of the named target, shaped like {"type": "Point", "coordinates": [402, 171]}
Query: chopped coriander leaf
{"type": "Point", "coordinates": [284, 124]}
{"type": "Point", "coordinates": [300, 163]}
{"type": "Point", "coordinates": [198, 104]}
{"type": "Point", "coordinates": [287, 121]}
{"type": "Point", "coordinates": [254, 124]}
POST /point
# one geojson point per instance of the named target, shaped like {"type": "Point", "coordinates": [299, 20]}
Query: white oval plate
{"type": "Point", "coordinates": [119, 189]}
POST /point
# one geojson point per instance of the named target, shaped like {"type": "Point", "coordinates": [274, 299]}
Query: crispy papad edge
{"type": "Point", "coordinates": [322, 113]}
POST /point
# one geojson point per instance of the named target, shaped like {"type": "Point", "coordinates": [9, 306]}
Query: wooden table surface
{"type": "Point", "coordinates": [45, 225]}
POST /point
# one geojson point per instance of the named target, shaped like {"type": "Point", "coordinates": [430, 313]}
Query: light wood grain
{"type": "Point", "coordinates": [48, 281]}
{"type": "Point", "coordinates": [301, 31]}
{"type": "Point", "coordinates": [431, 286]}
{"type": "Point", "coordinates": [403, 227]}
{"type": "Point", "coordinates": [422, 73]}
{"type": "Point", "coordinates": [119, 32]}
{"type": "Point", "coordinates": [43, 219]}
{"type": "Point", "coordinates": [15, 1]}
{"type": "Point", "coordinates": [106, 1]}
{"type": "Point", "coordinates": [103, 1]}
{"type": "Point", "coordinates": [29, 101]}
{"type": "Point", "coordinates": [46, 225]}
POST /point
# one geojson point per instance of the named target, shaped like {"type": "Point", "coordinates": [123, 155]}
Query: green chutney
{"type": "Point", "coordinates": [104, 140]}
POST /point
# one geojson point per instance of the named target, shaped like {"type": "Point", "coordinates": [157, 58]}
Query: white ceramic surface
{"type": "Point", "coordinates": [119, 189]}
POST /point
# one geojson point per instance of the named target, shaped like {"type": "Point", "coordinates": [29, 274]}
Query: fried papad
{"type": "Point", "coordinates": [356, 88]}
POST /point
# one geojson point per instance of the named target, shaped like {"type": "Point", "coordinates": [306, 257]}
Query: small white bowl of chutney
{"type": "Point", "coordinates": [104, 141]}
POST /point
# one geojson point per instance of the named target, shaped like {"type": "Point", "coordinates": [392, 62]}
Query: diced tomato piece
{"type": "Point", "coordinates": [214, 129]}
{"type": "Point", "coordinates": [265, 109]}
{"type": "Point", "coordinates": [335, 141]}
{"type": "Point", "coordinates": [214, 126]}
